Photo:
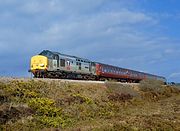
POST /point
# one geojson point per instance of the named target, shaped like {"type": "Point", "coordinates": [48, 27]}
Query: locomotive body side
{"type": "Point", "coordinates": [64, 66]}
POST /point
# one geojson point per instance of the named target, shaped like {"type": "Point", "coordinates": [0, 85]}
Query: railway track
{"type": "Point", "coordinates": [7, 79]}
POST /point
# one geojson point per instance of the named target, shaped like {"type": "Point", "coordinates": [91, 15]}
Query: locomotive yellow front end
{"type": "Point", "coordinates": [39, 65]}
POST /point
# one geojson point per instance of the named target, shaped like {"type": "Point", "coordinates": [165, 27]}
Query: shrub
{"type": "Point", "coordinates": [120, 88]}
{"type": "Point", "coordinates": [119, 97]}
{"type": "Point", "coordinates": [81, 99]}
{"type": "Point", "coordinates": [151, 85]}
{"type": "Point", "coordinates": [44, 106]}
{"type": "Point", "coordinates": [155, 90]}
{"type": "Point", "coordinates": [51, 121]}
{"type": "Point", "coordinates": [47, 113]}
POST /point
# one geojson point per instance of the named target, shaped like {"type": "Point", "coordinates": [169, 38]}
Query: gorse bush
{"type": "Point", "coordinates": [80, 98]}
{"type": "Point", "coordinates": [23, 90]}
{"type": "Point", "coordinates": [51, 121]}
{"type": "Point", "coordinates": [44, 106]}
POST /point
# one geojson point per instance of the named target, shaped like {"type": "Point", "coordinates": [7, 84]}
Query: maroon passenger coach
{"type": "Point", "coordinates": [104, 71]}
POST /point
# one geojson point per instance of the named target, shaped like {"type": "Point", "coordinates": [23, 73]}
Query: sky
{"type": "Point", "coordinates": [143, 35]}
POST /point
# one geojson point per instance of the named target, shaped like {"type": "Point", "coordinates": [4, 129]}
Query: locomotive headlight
{"type": "Point", "coordinates": [41, 65]}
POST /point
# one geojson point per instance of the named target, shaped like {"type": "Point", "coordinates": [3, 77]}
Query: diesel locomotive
{"type": "Point", "coordinates": [50, 64]}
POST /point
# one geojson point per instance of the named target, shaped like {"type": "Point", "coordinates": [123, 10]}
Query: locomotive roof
{"type": "Point", "coordinates": [68, 55]}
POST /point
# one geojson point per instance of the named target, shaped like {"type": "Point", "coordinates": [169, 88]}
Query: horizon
{"type": "Point", "coordinates": [138, 35]}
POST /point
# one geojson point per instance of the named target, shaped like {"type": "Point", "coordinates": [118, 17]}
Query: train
{"type": "Point", "coordinates": [49, 64]}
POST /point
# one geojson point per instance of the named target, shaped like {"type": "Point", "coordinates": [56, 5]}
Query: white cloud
{"type": "Point", "coordinates": [175, 76]}
{"type": "Point", "coordinates": [98, 25]}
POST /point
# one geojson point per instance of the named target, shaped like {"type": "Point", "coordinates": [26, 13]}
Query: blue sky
{"type": "Point", "coordinates": [143, 35]}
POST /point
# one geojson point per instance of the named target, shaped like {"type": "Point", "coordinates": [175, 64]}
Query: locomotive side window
{"type": "Point", "coordinates": [62, 61]}
{"type": "Point", "coordinates": [68, 63]}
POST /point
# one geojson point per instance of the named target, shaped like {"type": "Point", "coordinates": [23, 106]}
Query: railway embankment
{"type": "Point", "coordinates": [43, 104]}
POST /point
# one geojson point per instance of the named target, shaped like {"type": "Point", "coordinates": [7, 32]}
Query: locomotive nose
{"type": "Point", "coordinates": [39, 62]}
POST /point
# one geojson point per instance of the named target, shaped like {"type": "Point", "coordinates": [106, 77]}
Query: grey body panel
{"type": "Point", "coordinates": [69, 63]}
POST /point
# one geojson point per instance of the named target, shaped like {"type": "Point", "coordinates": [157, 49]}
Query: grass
{"type": "Point", "coordinates": [53, 105]}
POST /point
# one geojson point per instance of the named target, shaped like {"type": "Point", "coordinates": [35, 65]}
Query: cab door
{"type": "Point", "coordinates": [54, 64]}
{"type": "Point", "coordinates": [56, 61]}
